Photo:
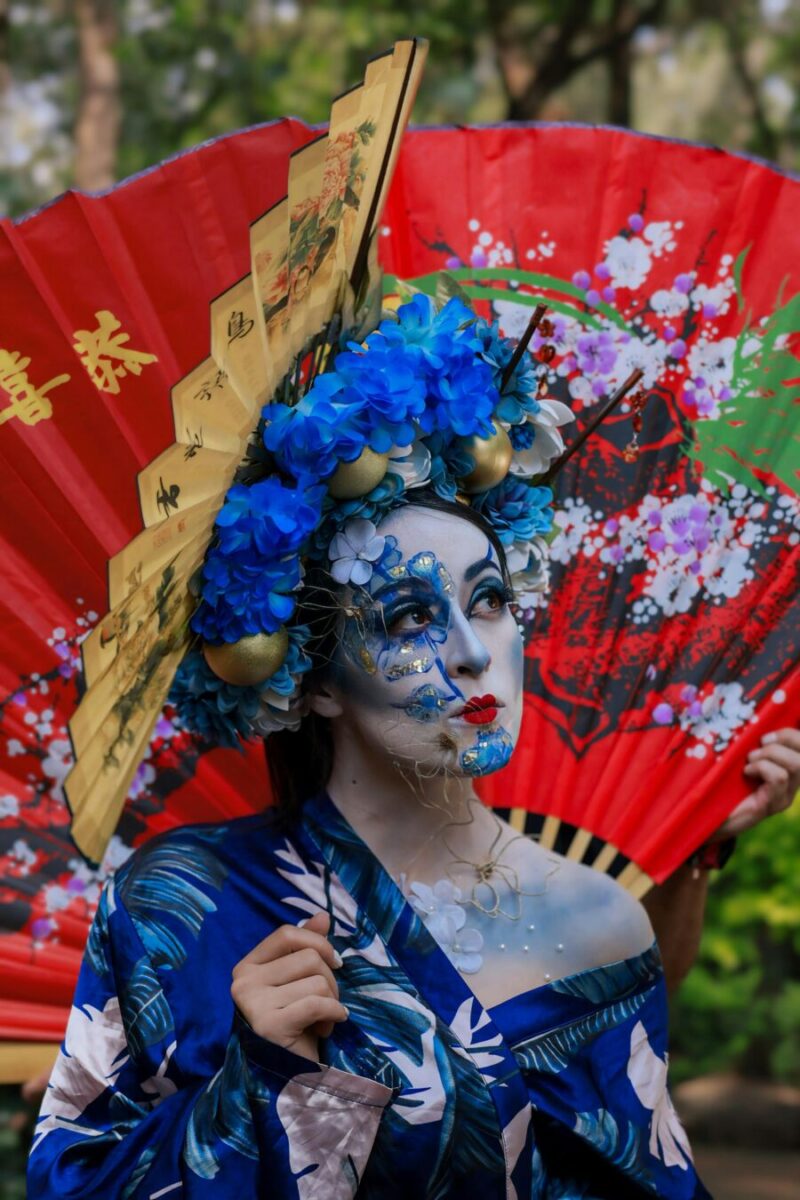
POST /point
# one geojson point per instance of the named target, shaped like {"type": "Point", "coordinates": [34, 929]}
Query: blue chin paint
{"type": "Point", "coordinates": [490, 751]}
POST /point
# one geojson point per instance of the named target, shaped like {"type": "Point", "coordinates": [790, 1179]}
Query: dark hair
{"type": "Point", "coordinates": [300, 763]}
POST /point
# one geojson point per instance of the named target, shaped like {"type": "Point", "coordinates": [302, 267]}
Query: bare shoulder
{"type": "Point", "coordinates": [612, 923]}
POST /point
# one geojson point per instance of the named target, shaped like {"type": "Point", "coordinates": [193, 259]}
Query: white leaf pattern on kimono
{"type": "Point", "coordinates": [648, 1075]}
{"type": "Point", "coordinates": [313, 887]}
{"type": "Point", "coordinates": [424, 1080]}
{"type": "Point", "coordinates": [311, 1116]}
{"type": "Point", "coordinates": [94, 1053]}
{"type": "Point", "coordinates": [158, 1086]}
{"type": "Point", "coordinates": [480, 1051]}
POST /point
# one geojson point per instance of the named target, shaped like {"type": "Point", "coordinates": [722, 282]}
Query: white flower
{"type": "Point", "coordinates": [57, 764]}
{"type": "Point", "coordinates": [718, 296]}
{"type": "Point", "coordinates": [116, 854]}
{"type": "Point", "coordinates": [464, 953]}
{"type": "Point", "coordinates": [713, 362]}
{"type": "Point", "coordinates": [648, 1075]}
{"type": "Point", "coordinates": [437, 902]}
{"type": "Point", "coordinates": [548, 443]}
{"type": "Point", "coordinates": [581, 389]}
{"type": "Point", "coordinates": [411, 463]}
{"type": "Point", "coordinates": [724, 712]}
{"type": "Point", "coordinates": [21, 851]}
{"type": "Point", "coordinates": [279, 712]}
{"type": "Point", "coordinates": [629, 261]}
{"type": "Point", "coordinates": [9, 806]}
{"type": "Point", "coordinates": [353, 551]}
{"type": "Point", "coordinates": [660, 236]}
{"type": "Point", "coordinates": [529, 567]}
{"type": "Point", "coordinates": [445, 920]}
{"type": "Point", "coordinates": [669, 303]}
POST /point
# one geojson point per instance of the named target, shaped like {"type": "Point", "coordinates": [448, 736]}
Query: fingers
{"type": "Point", "coordinates": [288, 939]}
{"type": "Point", "coordinates": [289, 993]}
{"type": "Point", "coordinates": [786, 737]}
{"type": "Point", "coordinates": [299, 1024]}
{"type": "Point", "coordinates": [776, 752]}
{"type": "Point", "coordinates": [300, 965]}
{"type": "Point", "coordinates": [312, 1009]}
{"type": "Point", "coordinates": [772, 772]}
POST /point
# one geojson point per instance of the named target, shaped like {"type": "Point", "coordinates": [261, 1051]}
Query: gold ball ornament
{"type": "Point", "coordinates": [353, 479]}
{"type": "Point", "coordinates": [250, 661]}
{"type": "Point", "coordinates": [492, 458]}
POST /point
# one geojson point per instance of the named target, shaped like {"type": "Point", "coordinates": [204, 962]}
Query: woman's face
{"type": "Point", "coordinates": [429, 667]}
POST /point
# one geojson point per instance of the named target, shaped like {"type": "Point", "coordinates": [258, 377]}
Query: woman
{"type": "Point", "coordinates": [377, 987]}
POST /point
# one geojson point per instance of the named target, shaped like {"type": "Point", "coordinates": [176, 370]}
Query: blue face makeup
{"type": "Point", "coordinates": [427, 703]}
{"type": "Point", "coordinates": [490, 751]}
{"type": "Point", "coordinates": [397, 624]}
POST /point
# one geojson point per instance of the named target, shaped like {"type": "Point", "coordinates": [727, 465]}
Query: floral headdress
{"type": "Point", "coordinates": [434, 397]}
{"type": "Point", "coordinates": [309, 420]}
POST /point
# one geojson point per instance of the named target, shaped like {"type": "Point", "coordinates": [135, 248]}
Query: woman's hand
{"type": "Point", "coordinates": [285, 987]}
{"type": "Point", "coordinates": [776, 763]}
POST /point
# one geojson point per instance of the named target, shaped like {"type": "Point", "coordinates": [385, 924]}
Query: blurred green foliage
{"type": "Point", "coordinates": [719, 70]}
{"type": "Point", "coordinates": [739, 1008]}
{"type": "Point", "coordinates": [15, 1120]}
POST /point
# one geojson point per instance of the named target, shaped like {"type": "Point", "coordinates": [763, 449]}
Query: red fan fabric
{"type": "Point", "coordinates": [669, 641]}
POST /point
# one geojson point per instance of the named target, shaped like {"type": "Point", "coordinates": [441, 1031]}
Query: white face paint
{"type": "Point", "coordinates": [429, 670]}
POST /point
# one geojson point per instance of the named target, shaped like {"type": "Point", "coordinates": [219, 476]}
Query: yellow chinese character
{"type": "Point", "coordinates": [104, 354]}
{"type": "Point", "coordinates": [27, 402]}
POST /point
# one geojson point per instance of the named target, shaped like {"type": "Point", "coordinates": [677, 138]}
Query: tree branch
{"type": "Point", "coordinates": [560, 61]}
{"type": "Point", "coordinates": [768, 140]}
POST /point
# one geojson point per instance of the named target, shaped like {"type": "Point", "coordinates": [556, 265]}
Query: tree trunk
{"type": "Point", "coordinates": [619, 71]}
{"type": "Point", "coordinates": [98, 117]}
{"type": "Point", "coordinates": [5, 73]}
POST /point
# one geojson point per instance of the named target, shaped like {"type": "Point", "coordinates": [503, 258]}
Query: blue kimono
{"type": "Point", "coordinates": [162, 1090]}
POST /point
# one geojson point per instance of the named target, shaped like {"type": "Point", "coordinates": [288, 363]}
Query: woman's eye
{"type": "Point", "coordinates": [490, 602]}
{"type": "Point", "coordinates": [410, 620]}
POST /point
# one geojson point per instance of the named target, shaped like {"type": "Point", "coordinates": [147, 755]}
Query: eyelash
{"type": "Point", "coordinates": [503, 593]}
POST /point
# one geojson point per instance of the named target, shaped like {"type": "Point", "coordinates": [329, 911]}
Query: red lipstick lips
{"type": "Point", "coordinates": [480, 710]}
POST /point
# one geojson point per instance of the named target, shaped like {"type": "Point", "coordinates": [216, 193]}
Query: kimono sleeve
{"type": "Point", "coordinates": [119, 1119]}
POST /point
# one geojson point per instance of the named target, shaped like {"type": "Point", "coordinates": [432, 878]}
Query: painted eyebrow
{"type": "Point", "coordinates": [402, 585]}
{"type": "Point", "coordinates": [481, 565]}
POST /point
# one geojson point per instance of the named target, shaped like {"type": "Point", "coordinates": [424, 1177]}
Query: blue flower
{"type": "Point", "coordinates": [252, 571]}
{"type": "Point", "coordinates": [518, 398]}
{"type": "Point", "coordinates": [314, 436]}
{"type": "Point", "coordinates": [297, 662]}
{"type": "Point", "coordinates": [462, 397]}
{"type": "Point", "coordinates": [518, 510]}
{"type": "Point", "coordinates": [217, 711]}
{"type": "Point", "coordinates": [449, 463]}
{"type": "Point", "coordinates": [267, 519]}
{"type": "Point", "coordinates": [387, 495]}
{"type": "Point", "coordinates": [242, 598]}
{"type": "Point", "coordinates": [522, 436]}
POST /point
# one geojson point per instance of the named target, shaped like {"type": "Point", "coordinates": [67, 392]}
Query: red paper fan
{"type": "Point", "coordinates": [618, 688]}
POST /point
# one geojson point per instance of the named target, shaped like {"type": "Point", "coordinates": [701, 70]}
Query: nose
{"type": "Point", "coordinates": [466, 653]}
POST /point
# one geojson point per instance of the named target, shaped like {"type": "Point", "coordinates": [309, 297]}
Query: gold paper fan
{"type": "Point", "coordinates": [313, 263]}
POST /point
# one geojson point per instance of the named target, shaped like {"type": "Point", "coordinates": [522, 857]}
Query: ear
{"type": "Point", "coordinates": [326, 701]}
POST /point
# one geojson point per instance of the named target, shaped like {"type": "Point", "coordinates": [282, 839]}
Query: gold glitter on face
{"type": "Point", "coordinates": [367, 661]}
{"type": "Point", "coordinates": [417, 666]}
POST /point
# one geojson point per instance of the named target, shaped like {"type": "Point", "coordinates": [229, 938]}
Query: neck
{"type": "Point", "coordinates": [400, 815]}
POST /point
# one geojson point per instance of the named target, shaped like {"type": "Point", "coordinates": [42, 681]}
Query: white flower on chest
{"type": "Point", "coordinates": [441, 910]}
